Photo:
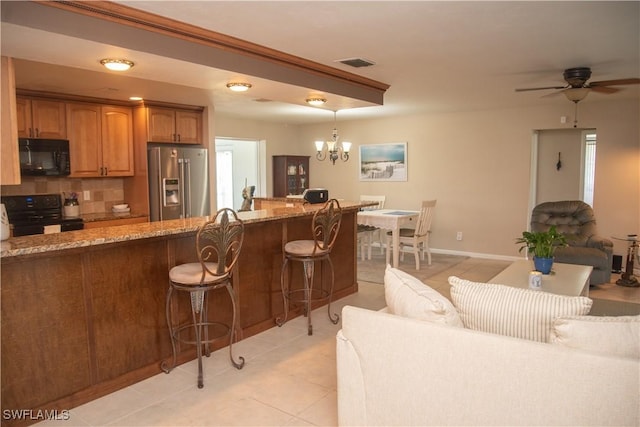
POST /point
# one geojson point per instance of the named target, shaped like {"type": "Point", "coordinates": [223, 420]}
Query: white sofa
{"type": "Point", "coordinates": [399, 371]}
{"type": "Point", "coordinates": [395, 370]}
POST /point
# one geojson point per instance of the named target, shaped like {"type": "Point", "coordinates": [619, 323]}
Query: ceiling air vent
{"type": "Point", "coordinates": [356, 62]}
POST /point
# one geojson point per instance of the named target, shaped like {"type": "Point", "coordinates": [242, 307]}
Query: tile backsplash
{"type": "Point", "coordinates": [103, 192]}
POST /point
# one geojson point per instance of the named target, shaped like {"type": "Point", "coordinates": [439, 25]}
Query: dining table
{"type": "Point", "coordinates": [391, 220]}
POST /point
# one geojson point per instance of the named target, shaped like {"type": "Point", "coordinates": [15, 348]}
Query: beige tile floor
{"type": "Point", "coordinates": [289, 378]}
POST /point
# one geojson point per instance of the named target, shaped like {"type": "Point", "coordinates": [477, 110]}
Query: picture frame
{"type": "Point", "coordinates": [383, 162]}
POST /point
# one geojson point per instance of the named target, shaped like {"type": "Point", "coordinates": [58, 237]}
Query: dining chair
{"type": "Point", "coordinates": [417, 238]}
{"type": "Point", "coordinates": [324, 231]}
{"type": "Point", "coordinates": [366, 232]}
{"type": "Point", "coordinates": [218, 244]}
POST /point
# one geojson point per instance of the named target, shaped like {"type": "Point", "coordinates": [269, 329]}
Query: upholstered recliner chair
{"type": "Point", "coordinates": [575, 219]}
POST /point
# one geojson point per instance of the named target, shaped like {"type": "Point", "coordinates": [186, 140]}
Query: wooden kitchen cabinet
{"type": "Point", "coordinates": [176, 126]}
{"type": "Point", "coordinates": [38, 118]}
{"type": "Point", "coordinates": [10, 170]}
{"type": "Point", "coordinates": [290, 175]}
{"type": "Point", "coordinates": [117, 141]}
{"type": "Point", "coordinates": [100, 140]}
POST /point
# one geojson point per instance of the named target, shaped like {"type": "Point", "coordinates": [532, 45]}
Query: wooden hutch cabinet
{"type": "Point", "coordinates": [290, 175]}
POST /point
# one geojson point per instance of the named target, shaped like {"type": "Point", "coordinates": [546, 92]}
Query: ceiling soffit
{"type": "Point", "coordinates": [120, 25]}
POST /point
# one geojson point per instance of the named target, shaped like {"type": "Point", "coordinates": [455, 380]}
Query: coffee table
{"type": "Point", "coordinates": [565, 279]}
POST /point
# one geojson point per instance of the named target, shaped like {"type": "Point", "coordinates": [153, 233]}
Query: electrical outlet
{"type": "Point", "coordinates": [459, 235]}
{"type": "Point", "coordinates": [86, 195]}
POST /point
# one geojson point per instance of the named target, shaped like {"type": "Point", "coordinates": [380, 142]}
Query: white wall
{"type": "Point", "coordinates": [564, 183]}
{"type": "Point", "coordinates": [477, 164]}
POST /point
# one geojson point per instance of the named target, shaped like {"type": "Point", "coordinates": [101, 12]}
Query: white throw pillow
{"type": "Point", "coordinates": [610, 335]}
{"type": "Point", "coordinates": [407, 296]}
{"type": "Point", "coordinates": [515, 312]}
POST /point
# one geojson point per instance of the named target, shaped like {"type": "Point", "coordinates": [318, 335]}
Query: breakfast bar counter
{"type": "Point", "coordinates": [83, 312]}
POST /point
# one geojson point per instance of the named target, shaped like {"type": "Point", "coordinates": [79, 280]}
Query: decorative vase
{"type": "Point", "coordinates": [543, 265]}
{"type": "Point", "coordinates": [71, 208]}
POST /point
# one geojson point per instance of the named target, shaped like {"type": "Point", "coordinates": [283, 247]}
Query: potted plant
{"type": "Point", "coordinates": [542, 244]}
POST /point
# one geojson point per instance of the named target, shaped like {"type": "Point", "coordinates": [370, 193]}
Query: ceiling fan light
{"type": "Point", "coordinates": [316, 101]}
{"type": "Point", "coordinates": [116, 64]}
{"type": "Point", "coordinates": [576, 94]}
{"type": "Point", "coordinates": [239, 87]}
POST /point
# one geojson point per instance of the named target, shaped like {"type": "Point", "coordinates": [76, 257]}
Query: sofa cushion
{"type": "Point", "coordinates": [407, 296]}
{"type": "Point", "coordinates": [516, 312]}
{"type": "Point", "coordinates": [609, 335]}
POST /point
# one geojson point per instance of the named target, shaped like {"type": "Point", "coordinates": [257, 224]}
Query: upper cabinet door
{"type": "Point", "coordinates": [162, 125]}
{"type": "Point", "coordinates": [189, 127]}
{"type": "Point", "coordinates": [49, 119]}
{"type": "Point", "coordinates": [23, 112]}
{"type": "Point", "coordinates": [117, 141]}
{"type": "Point", "coordinates": [85, 150]}
{"type": "Point", "coordinates": [178, 126]}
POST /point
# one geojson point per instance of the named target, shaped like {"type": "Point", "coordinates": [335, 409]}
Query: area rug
{"type": "Point", "coordinates": [604, 307]}
{"type": "Point", "coordinates": [373, 270]}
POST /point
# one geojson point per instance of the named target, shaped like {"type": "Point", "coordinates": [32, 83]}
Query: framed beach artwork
{"type": "Point", "coordinates": [383, 162]}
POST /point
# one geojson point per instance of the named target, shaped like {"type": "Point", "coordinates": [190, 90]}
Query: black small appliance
{"type": "Point", "coordinates": [316, 195]}
{"type": "Point", "coordinates": [48, 157]}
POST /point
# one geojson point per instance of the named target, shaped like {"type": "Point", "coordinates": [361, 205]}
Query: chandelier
{"type": "Point", "coordinates": [334, 150]}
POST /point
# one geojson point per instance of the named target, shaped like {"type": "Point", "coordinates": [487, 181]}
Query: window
{"type": "Point", "coordinates": [589, 173]}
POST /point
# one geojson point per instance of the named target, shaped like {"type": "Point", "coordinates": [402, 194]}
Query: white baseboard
{"type": "Point", "coordinates": [475, 255]}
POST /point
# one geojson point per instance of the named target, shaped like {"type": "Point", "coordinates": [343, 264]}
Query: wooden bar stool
{"type": "Point", "coordinates": [324, 231]}
{"type": "Point", "coordinates": [218, 244]}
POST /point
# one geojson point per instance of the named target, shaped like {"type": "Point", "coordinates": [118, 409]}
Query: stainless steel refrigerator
{"type": "Point", "coordinates": [178, 182]}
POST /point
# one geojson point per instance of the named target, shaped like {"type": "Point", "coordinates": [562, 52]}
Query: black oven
{"type": "Point", "coordinates": [49, 157]}
{"type": "Point", "coordinates": [38, 214]}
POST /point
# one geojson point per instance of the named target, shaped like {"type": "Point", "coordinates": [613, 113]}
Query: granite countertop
{"type": "Point", "coordinates": [41, 243]}
{"type": "Point", "coordinates": [109, 216]}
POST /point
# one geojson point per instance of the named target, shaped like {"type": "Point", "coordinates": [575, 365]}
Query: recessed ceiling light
{"type": "Point", "coordinates": [135, 98]}
{"type": "Point", "coordinates": [116, 64]}
{"type": "Point", "coordinates": [239, 87]}
{"type": "Point", "coordinates": [316, 101]}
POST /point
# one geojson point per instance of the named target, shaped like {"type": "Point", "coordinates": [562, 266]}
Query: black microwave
{"type": "Point", "coordinates": [44, 157]}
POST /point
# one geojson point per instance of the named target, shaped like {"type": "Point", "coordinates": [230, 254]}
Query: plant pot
{"type": "Point", "coordinates": [543, 265]}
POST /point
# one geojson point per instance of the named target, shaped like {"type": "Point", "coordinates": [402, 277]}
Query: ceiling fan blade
{"type": "Point", "coordinates": [540, 88]}
{"type": "Point", "coordinates": [604, 89]}
{"type": "Point", "coordinates": [615, 82]}
{"type": "Point", "coordinates": [552, 94]}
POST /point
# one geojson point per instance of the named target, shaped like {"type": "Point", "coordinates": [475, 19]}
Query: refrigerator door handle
{"type": "Point", "coordinates": [157, 163]}
{"type": "Point", "coordinates": [187, 187]}
{"type": "Point", "coordinates": [182, 196]}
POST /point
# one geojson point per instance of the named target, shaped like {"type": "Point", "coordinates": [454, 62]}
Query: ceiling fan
{"type": "Point", "coordinates": [577, 87]}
